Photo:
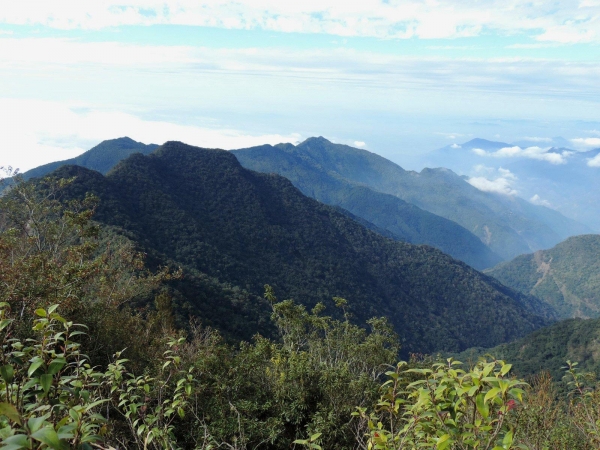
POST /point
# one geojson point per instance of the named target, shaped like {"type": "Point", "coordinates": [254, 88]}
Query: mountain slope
{"type": "Point", "coordinates": [566, 276]}
{"type": "Point", "coordinates": [202, 209]}
{"type": "Point", "coordinates": [508, 225]}
{"type": "Point", "coordinates": [405, 221]}
{"type": "Point", "coordinates": [102, 157]}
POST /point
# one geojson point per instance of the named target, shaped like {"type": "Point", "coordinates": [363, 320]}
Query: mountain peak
{"type": "Point", "coordinates": [485, 144]}
{"type": "Point", "coordinates": [316, 140]}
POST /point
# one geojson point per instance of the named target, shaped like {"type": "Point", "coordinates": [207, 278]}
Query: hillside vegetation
{"type": "Point", "coordinates": [567, 276]}
{"type": "Point", "coordinates": [403, 220]}
{"type": "Point", "coordinates": [200, 209]}
{"type": "Point", "coordinates": [548, 349]}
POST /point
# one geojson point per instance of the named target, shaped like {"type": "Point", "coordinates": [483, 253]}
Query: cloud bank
{"type": "Point", "coordinates": [539, 153]}
{"type": "Point", "coordinates": [569, 21]}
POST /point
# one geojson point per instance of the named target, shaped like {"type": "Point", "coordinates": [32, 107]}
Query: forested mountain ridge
{"type": "Point", "coordinates": [510, 226]}
{"type": "Point", "coordinates": [203, 210]}
{"type": "Point", "coordinates": [404, 220]}
{"type": "Point", "coordinates": [566, 276]}
{"type": "Point", "coordinates": [102, 157]}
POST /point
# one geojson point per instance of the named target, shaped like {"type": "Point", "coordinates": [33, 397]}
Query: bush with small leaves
{"type": "Point", "coordinates": [50, 397]}
{"type": "Point", "coordinates": [445, 407]}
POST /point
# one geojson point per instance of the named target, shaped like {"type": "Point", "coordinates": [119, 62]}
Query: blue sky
{"type": "Point", "coordinates": [399, 78]}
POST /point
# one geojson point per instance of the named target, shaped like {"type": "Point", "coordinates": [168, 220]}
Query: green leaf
{"type": "Point", "coordinates": [443, 442]}
{"type": "Point", "coordinates": [491, 394]}
{"type": "Point", "coordinates": [8, 410]}
{"type": "Point", "coordinates": [46, 382]}
{"type": "Point", "coordinates": [16, 442]}
{"type": "Point", "coordinates": [48, 436]}
{"type": "Point", "coordinates": [35, 364]}
{"type": "Point", "coordinates": [505, 369]}
{"type": "Point", "coordinates": [40, 312]}
{"type": "Point", "coordinates": [482, 407]}
{"type": "Point", "coordinates": [56, 365]}
{"type": "Point", "coordinates": [7, 373]}
{"type": "Point", "coordinates": [4, 323]}
{"type": "Point", "coordinates": [35, 423]}
{"type": "Point", "coordinates": [508, 439]}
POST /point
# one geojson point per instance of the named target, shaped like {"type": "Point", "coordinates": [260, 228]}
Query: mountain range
{"type": "Point", "coordinates": [237, 229]}
{"type": "Point", "coordinates": [403, 220]}
{"type": "Point", "coordinates": [434, 207]}
{"type": "Point", "coordinates": [508, 225]}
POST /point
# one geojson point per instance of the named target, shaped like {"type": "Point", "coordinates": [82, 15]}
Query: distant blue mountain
{"type": "Point", "coordinates": [565, 187]}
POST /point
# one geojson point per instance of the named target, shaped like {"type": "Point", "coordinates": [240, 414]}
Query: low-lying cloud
{"type": "Point", "coordinates": [498, 181]}
{"type": "Point", "coordinates": [537, 200]}
{"type": "Point", "coordinates": [535, 152]}
{"type": "Point", "coordinates": [594, 162]}
{"type": "Point", "coordinates": [586, 143]}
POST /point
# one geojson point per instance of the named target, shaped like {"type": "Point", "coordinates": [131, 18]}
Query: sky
{"type": "Point", "coordinates": [399, 78]}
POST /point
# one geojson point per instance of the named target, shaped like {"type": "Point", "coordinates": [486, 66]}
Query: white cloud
{"type": "Point", "coordinates": [537, 200]}
{"type": "Point", "coordinates": [38, 132]}
{"type": "Point", "coordinates": [537, 139]}
{"type": "Point", "coordinates": [566, 22]}
{"type": "Point", "coordinates": [507, 174]}
{"type": "Point", "coordinates": [530, 46]}
{"type": "Point", "coordinates": [535, 152]}
{"type": "Point", "coordinates": [359, 144]}
{"type": "Point", "coordinates": [455, 145]}
{"type": "Point", "coordinates": [48, 56]}
{"type": "Point", "coordinates": [594, 162]}
{"type": "Point", "coordinates": [586, 143]}
{"type": "Point", "coordinates": [490, 179]}
{"type": "Point", "coordinates": [498, 185]}
{"type": "Point", "coordinates": [449, 135]}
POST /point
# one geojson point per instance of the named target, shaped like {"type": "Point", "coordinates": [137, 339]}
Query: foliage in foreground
{"type": "Point", "coordinates": [446, 407]}
{"type": "Point", "coordinates": [204, 394]}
